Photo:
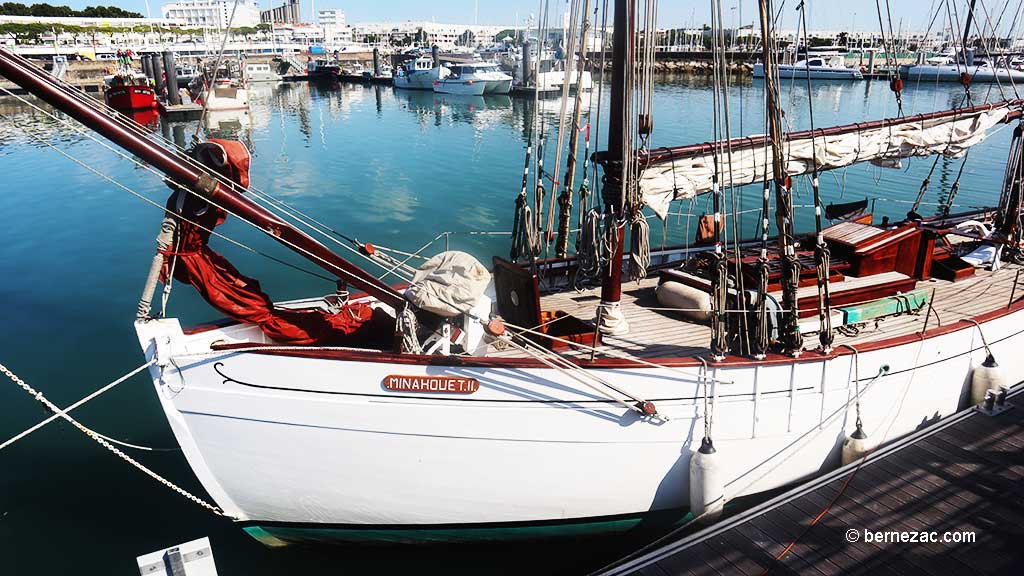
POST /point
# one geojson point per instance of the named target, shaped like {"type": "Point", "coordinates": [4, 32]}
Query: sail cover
{"type": "Point", "coordinates": [686, 172]}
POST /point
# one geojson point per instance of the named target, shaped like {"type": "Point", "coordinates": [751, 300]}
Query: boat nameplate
{"type": "Point", "coordinates": [433, 384]}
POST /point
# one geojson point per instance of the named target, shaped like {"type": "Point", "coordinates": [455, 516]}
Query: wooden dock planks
{"type": "Point", "coordinates": [964, 474]}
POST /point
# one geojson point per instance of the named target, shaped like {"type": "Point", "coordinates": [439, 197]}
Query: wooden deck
{"type": "Point", "coordinates": [964, 475]}
{"type": "Point", "coordinates": [658, 333]}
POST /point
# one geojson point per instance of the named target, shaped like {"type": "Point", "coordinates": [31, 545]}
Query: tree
{"type": "Point", "coordinates": [467, 38]}
{"type": "Point", "coordinates": [244, 31]}
{"type": "Point", "coordinates": [517, 36]}
{"type": "Point", "coordinates": [48, 11]}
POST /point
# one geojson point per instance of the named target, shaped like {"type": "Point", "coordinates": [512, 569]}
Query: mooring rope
{"type": "Point", "coordinates": [102, 441]}
{"type": "Point", "coordinates": [80, 403]}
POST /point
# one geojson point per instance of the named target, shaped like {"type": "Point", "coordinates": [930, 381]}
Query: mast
{"type": "Point", "coordinates": [609, 316]}
{"type": "Point", "coordinates": [565, 199]}
{"type": "Point", "coordinates": [968, 20]}
{"type": "Point", "coordinates": [789, 332]}
{"type": "Point", "coordinates": [186, 175]}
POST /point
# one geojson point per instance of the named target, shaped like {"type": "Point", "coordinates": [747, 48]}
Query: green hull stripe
{"type": "Point", "coordinates": [277, 535]}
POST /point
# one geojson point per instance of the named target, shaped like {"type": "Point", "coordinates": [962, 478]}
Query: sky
{"type": "Point", "coordinates": [822, 14]}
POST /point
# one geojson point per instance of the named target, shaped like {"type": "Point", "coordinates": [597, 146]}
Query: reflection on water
{"type": "Point", "coordinates": [382, 165]}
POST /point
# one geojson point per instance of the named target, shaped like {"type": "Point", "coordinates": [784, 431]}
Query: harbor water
{"type": "Point", "coordinates": [395, 168]}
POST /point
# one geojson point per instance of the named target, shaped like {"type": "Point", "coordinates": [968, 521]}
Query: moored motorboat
{"type": "Point", "coordinates": [456, 84]}
{"type": "Point", "coordinates": [419, 73]}
{"type": "Point", "coordinates": [495, 81]}
{"type": "Point", "coordinates": [816, 65]}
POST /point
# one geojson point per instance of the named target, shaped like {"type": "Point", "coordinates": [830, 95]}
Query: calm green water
{"type": "Point", "coordinates": [386, 166]}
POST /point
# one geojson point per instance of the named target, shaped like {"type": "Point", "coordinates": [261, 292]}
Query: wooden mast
{"type": "Point", "coordinates": [187, 175]}
{"type": "Point", "coordinates": [609, 316]}
{"type": "Point", "coordinates": [789, 331]}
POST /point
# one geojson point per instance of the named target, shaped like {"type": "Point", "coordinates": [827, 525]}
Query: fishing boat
{"type": "Point", "coordinates": [128, 91]}
{"type": "Point", "coordinates": [419, 73]}
{"type": "Point", "coordinates": [816, 65]}
{"type": "Point", "coordinates": [476, 402]}
{"type": "Point", "coordinates": [185, 74]}
{"type": "Point", "coordinates": [323, 69]}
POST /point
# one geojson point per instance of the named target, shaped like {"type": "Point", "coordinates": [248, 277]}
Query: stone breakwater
{"type": "Point", "coordinates": [696, 67]}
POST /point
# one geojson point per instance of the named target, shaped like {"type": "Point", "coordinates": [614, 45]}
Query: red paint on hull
{"type": "Point", "coordinates": [131, 97]}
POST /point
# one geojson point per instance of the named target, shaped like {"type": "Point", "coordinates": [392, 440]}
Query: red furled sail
{"type": "Point", "coordinates": [192, 261]}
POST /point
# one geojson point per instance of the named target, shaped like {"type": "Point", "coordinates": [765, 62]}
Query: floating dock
{"type": "Point", "coordinates": [352, 78]}
{"type": "Point", "coordinates": [180, 112]}
{"type": "Point", "coordinates": [960, 480]}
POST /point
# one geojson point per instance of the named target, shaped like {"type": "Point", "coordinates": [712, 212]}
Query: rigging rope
{"type": "Point", "coordinates": [105, 443]}
{"type": "Point", "coordinates": [277, 211]}
{"type": "Point", "coordinates": [822, 257]}
{"type": "Point", "coordinates": [216, 67]}
{"type": "Point", "coordinates": [895, 83]}
{"type": "Point", "coordinates": [142, 197]}
{"type": "Point", "coordinates": [276, 206]}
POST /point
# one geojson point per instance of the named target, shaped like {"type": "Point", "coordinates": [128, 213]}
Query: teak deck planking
{"type": "Point", "coordinates": [665, 334]}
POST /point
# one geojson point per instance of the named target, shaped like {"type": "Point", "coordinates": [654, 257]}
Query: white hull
{"type": "Point", "coordinates": [498, 86]}
{"type": "Point", "coordinates": [264, 77]}
{"type": "Point", "coordinates": [548, 81]}
{"type": "Point", "coordinates": [787, 71]}
{"type": "Point", "coordinates": [951, 73]}
{"type": "Point", "coordinates": [460, 87]}
{"type": "Point", "coordinates": [238, 99]}
{"type": "Point", "coordinates": [279, 439]}
{"type": "Point", "coordinates": [418, 80]}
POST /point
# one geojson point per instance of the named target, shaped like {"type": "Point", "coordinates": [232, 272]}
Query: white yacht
{"type": "Point", "coordinates": [549, 72]}
{"type": "Point", "coordinates": [486, 73]}
{"type": "Point", "coordinates": [946, 69]}
{"type": "Point", "coordinates": [818, 65]}
{"type": "Point", "coordinates": [419, 74]}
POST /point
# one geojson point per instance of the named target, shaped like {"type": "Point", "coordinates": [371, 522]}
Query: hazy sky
{"type": "Point", "coordinates": [822, 14]}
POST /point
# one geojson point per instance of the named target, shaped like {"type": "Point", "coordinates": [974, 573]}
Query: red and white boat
{"type": "Point", "coordinates": [128, 92]}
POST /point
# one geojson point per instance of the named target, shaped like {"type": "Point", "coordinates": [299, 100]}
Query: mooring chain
{"type": "Point", "coordinates": [99, 440]}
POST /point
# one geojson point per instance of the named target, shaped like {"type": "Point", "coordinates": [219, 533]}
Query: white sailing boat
{"type": "Point", "coordinates": [471, 404]}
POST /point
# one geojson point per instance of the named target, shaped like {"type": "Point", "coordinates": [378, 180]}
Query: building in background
{"type": "Point", "coordinates": [213, 13]}
{"type": "Point", "coordinates": [288, 13]}
{"type": "Point", "coordinates": [425, 33]}
{"type": "Point", "coordinates": [336, 31]}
